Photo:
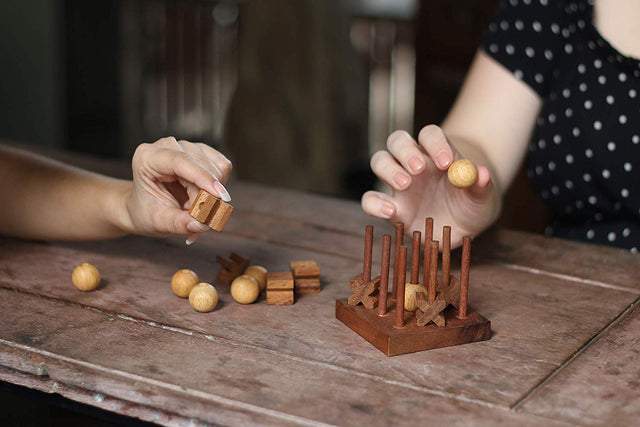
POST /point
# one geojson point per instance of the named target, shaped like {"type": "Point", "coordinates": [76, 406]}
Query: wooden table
{"type": "Point", "coordinates": [565, 346]}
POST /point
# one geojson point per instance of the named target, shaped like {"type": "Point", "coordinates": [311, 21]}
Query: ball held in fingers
{"type": "Point", "coordinates": [462, 173]}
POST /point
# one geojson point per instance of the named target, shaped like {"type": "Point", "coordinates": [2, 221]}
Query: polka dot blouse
{"type": "Point", "coordinates": [584, 155]}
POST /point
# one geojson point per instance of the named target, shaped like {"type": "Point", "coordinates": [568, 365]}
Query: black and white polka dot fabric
{"type": "Point", "coordinates": [584, 155]}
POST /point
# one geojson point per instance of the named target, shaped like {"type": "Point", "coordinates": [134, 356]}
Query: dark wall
{"type": "Point", "coordinates": [92, 113]}
{"type": "Point", "coordinates": [59, 74]}
{"type": "Point", "coordinates": [447, 36]}
{"type": "Point", "coordinates": [31, 71]}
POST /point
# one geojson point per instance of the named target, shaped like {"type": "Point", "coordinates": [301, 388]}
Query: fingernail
{"type": "Point", "coordinates": [401, 179]}
{"type": "Point", "coordinates": [224, 194]}
{"type": "Point", "coordinates": [197, 227]}
{"type": "Point", "coordinates": [388, 210]}
{"type": "Point", "coordinates": [416, 164]}
{"type": "Point", "coordinates": [191, 238]}
{"type": "Point", "coordinates": [443, 159]}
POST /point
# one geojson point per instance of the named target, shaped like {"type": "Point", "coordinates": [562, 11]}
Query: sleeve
{"type": "Point", "coordinates": [526, 37]}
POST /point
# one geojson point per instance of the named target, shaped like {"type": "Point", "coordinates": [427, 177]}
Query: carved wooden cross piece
{"type": "Point", "coordinates": [431, 312]}
{"type": "Point", "coordinates": [426, 312]}
{"type": "Point", "coordinates": [233, 267]}
{"type": "Point", "coordinates": [362, 292]}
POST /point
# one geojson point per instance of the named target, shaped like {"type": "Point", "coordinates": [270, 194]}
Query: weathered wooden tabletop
{"type": "Point", "coordinates": [564, 350]}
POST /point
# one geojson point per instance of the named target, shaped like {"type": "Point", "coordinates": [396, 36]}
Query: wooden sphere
{"type": "Point", "coordinates": [86, 277]}
{"type": "Point", "coordinates": [259, 273]}
{"type": "Point", "coordinates": [411, 295]}
{"type": "Point", "coordinates": [183, 281]}
{"type": "Point", "coordinates": [462, 173]}
{"type": "Point", "coordinates": [203, 297]}
{"type": "Point", "coordinates": [245, 289]}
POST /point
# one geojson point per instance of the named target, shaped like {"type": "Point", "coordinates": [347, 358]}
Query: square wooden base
{"type": "Point", "coordinates": [381, 332]}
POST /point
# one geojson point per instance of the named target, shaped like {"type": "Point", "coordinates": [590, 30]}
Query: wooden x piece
{"type": "Point", "coordinates": [451, 293]}
{"type": "Point", "coordinates": [232, 268]}
{"type": "Point", "coordinates": [430, 312]}
{"type": "Point", "coordinates": [362, 292]}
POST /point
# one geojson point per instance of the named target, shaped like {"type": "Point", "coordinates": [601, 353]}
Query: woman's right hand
{"type": "Point", "coordinates": [417, 174]}
{"type": "Point", "coordinates": [167, 176]}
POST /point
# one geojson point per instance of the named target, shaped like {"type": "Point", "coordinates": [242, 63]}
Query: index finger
{"type": "Point", "coordinates": [176, 164]}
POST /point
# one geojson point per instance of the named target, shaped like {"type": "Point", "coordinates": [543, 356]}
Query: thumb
{"type": "Point", "coordinates": [171, 220]}
{"type": "Point", "coordinates": [482, 190]}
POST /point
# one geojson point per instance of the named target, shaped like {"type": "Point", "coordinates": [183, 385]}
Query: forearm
{"type": "Point", "coordinates": [45, 199]}
{"type": "Point", "coordinates": [492, 120]}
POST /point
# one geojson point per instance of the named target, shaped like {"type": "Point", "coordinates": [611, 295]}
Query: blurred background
{"type": "Point", "coordinates": [297, 93]}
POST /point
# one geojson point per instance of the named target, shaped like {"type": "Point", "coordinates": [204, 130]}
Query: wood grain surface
{"type": "Point", "coordinates": [601, 386]}
{"type": "Point", "coordinates": [551, 304]}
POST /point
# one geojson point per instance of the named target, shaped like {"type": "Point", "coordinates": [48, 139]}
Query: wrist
{"type": "Point", "coordinates": [117, 206]}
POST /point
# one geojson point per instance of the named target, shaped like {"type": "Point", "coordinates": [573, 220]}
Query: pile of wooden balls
{"type": "Point", "coordinates": [203, 297]}
{"type": "Point", "coordinates": [185, 283]}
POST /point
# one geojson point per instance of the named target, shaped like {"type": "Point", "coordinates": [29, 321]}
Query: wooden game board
{"type": "Point", "coordinates": [433, 324]}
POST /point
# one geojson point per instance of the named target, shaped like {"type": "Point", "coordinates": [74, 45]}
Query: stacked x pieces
{"type": "Point", "coordinates": [304, 278]}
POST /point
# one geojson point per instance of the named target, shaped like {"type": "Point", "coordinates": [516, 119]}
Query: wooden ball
{"type": "Point", "coordinates": [259, 273]}
{"type": "Point", "coordinates": [86, 277]}
{"type": "Point", "coordinates": [462, 173]}
{"type": "Point", "coordinates": [245, 289]}
{"type": "Point", "coordinates": [203, 297]}
{"type": "Point", "coordinates": [411, 295]}
{"type": "Point", "coordinates": [183, 281]}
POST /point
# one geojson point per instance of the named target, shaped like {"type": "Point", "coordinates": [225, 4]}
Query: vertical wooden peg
{"type": "Point", "coordinates": [428, 236]}
{"type": "Point", "coordinates": [368, 250]}
{"type": "Point", "coordinates": [384, 275]}
{"type": "Point", "coordinates": [446, 255]}
{"type": "Point", "coordinates": [464, 277]}
{"type": "Point", "coordinates": [415, 258]}
{"type": "Point", "coordinates": [402, 276]}
{"type": "Point", "coordinates": [396, 257]}
{"type": "Point", "coordinates": [433, 271]}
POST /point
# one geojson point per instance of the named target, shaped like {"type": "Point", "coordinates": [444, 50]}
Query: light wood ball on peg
{"type": "Point", "coordinates": [203, 297]}
{"type": "Point", "coordinates": [245, 289]}
{"type": "Point", "coordinates": [462, 173]}
{"type": "Point", "coordinates": [183, 281]}
{"type": "Point", "coordinates": [85, 277]}
{"type": "Point", "coordinates": [259, 273]}
{"type": "Point", "coordinates": [411, 295]}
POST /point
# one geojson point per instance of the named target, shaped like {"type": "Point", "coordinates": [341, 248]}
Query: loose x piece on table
{"type": "Point", "coordinates": [440, 319]}
{"type": "Point", "coordinates": [210, 210]}
{"type": "Point", "coordinates": [232, 267]}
